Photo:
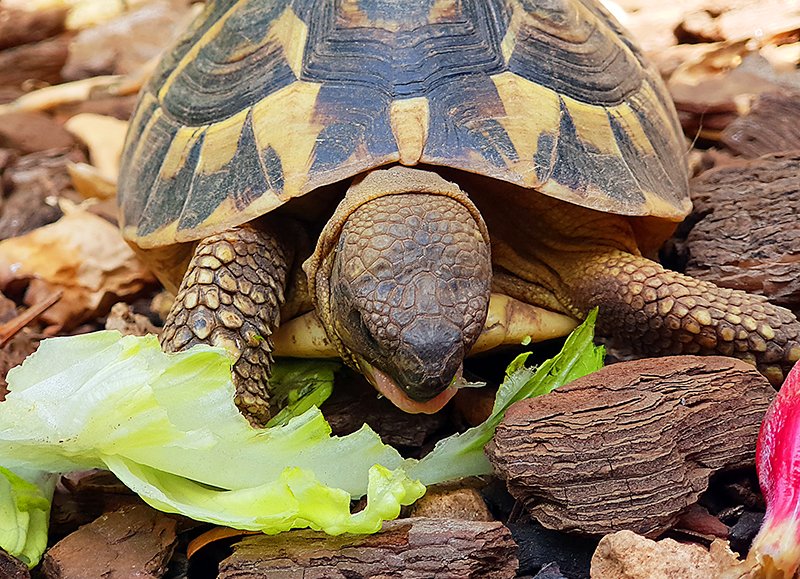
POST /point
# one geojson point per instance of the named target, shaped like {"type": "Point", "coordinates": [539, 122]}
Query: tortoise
{"type": "Point", "coordinates": [437, 151]}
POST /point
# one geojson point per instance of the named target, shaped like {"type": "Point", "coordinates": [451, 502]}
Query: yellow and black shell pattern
{"type": "Point", "coordinates": [265, 100]}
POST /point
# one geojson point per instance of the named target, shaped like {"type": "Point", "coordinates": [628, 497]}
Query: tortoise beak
{"type": "Point", "coordinates": [388, 387]}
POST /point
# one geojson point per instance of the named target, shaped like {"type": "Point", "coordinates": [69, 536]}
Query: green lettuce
{"type": "Point", "coordinates": [25, 498]}
{"type": "Point", "coordinates": [166, 426]}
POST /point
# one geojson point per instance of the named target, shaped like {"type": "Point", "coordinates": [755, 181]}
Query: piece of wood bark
{"type": "Point", "coordinates": [82, 496]}
{"type": "Point", "coordinates": [24, 26]}
{"type": "Point", "coordinates": [34, 183]}
{"type": "Point", "coordinates": [135, 541]}
{"type": "Point", "coordinates": [743, 231]}
{"type": "Point", "coordinates": [40, 61]}
{"type": "Point", "coordinates": [12, 568]}
{"type": "Point", "coordinates": [355, 402]}
{"type": "Point", "coordinates": [33, 132]}
{"type": "Point", "coordinates": [772, 125]}
{"type": "Point", "coordinates": [630, 446]}
{"type": "Point", "coordinates": [407, 548]}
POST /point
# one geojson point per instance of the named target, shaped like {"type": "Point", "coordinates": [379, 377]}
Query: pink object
{"type": "Point", "coordinates": [776, 548]}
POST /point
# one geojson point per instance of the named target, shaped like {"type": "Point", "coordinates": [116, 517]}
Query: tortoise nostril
{"type": "Point", "coordinates": [431, 341]}
{"type": "Point", "coordinates": [430, 355]}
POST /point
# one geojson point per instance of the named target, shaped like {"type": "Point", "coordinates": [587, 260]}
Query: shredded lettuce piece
{"type": "Point", "coordinates": [296, 499]}
{"type": "Point", "coordinates": [25, 498]}
{"type": "Point", "coordinates": [166, 425]}
{"type": "Point", "coordinates": [461, 455]}
{"type": "Point", "coordinates": [297, 385]}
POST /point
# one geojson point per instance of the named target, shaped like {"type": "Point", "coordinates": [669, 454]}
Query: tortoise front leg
{"type": "Point", "coordinates": [231, 297]}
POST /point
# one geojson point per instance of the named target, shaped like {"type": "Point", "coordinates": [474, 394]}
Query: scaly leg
{"type": "Point", "coordinates": [655, 311]}
{"type": "Point", "coordinates": [231, 297]}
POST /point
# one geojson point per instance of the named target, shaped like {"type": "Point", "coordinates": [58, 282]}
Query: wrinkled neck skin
{"type": "Point", "coordinates": [540, 247]}
{"type": "Point", "coordinates": [401, 280]}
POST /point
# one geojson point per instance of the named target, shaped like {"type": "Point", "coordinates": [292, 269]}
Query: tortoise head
{"type": "Point", "coordinates": [403, 283]}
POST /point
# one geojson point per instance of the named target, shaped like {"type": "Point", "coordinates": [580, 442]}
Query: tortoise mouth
{"type": "Point", "coordinates": [384, 384]}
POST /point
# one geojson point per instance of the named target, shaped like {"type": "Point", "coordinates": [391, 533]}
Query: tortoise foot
{"type": "Point", "coordinates": [230, 297]}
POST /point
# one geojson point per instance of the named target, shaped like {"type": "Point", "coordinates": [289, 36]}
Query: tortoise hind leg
{"type": "Point", "coordinates": [231, 297]}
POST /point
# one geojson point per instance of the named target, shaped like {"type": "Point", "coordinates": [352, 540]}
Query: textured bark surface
{"type": "Point", "coordinates": [41, 61]}
{"type": "Point", "coordinates": [12, 568]}
{"type": "Point", "coordinates": [772, 125]}
{"type": "Point", "coordinates": [409, 548]}
{"type": "Point", "coordinates": [630, 446]}
{"type": "Point", "coordinates": [355, 402]}
{"type": "Point", "coordinates": [24, 26]}
{"type": "Point", "coordinates": [745, 234]}
{"type": "Point", "coordinates": [32, 184]}
{"type": "Point", "coordinates": [132, 542]}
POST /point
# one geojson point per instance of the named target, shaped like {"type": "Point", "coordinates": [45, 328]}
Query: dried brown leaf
{"type": "Point", "coordinates": [108, 48]}
{"type": "Point", "coordinates": [84, 256]}
{"type": "Point", "coordinates": [104, 136]}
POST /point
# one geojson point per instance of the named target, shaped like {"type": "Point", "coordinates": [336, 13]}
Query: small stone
{"type": "Point", "coordinates": [626, 555]}
{"type": "Point", "coordinates": [452, 502]}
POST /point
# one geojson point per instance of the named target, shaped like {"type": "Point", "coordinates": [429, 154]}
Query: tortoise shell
{"type": "Point", "coordinates": [262, 101]}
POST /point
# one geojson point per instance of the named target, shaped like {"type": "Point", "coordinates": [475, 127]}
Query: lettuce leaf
{"type": "Point", "coordinates": [166, 426]}
{"type": "Point", "coordinates": [25, 498]}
